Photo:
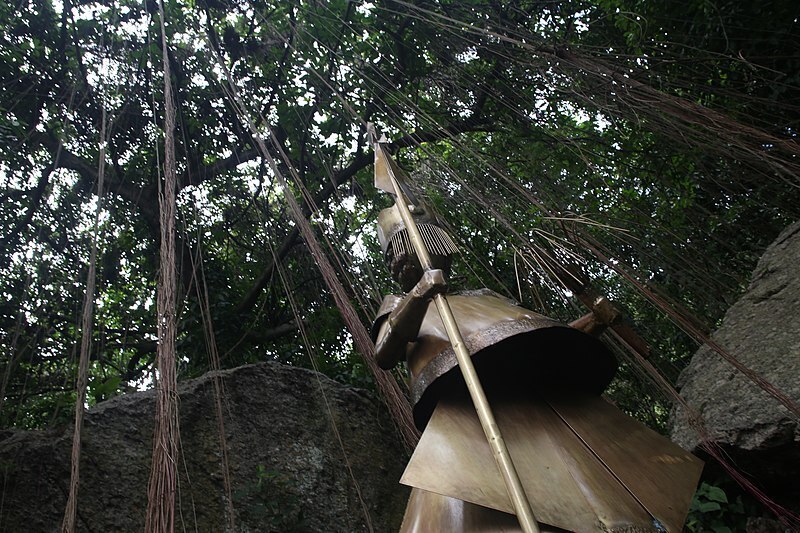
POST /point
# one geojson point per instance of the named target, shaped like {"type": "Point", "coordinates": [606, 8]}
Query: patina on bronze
{"type": "Point", "coordinates": [580, 463]}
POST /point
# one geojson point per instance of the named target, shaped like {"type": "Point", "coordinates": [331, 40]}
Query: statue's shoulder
{"type": "Point", "coordinates": [486, 293]}
{"type": "Point", "coordinates": [389, 303]}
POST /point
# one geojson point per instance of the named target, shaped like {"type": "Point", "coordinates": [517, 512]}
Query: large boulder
{"type": "Point", "coordinates": [289, 470]}
{"type": "Point", "coordinates": [762, 330]}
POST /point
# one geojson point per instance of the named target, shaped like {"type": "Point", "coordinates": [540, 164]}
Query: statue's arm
{"type": "Point", "coordinates": [402, 325]}
{"type": "Point", "coordinates": [603, 315]}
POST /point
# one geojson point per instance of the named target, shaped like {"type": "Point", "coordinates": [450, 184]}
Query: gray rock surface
{"type": "Point", "coordinates": [288, 469]}
{"type": "Point", "coordinates": [762, 330]}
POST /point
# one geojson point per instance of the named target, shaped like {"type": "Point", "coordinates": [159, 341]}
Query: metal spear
{"type": "Point", "coordinates": [386, 178]}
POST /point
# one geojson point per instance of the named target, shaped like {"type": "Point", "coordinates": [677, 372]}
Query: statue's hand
{"type": "Point", "coordinates": [431, 284]}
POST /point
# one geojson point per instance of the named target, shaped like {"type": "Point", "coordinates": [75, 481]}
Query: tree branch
{"type": "Point", "coordinates": [270, 334]}
{"type": "Point", "coordinates": [36, 198]}
{"type": "Point", "coordinates": [208, 172]}
{"type": "Point", "coordinates": [143, 197]}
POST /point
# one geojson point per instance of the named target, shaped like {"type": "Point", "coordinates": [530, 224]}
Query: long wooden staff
{"type": "Point", "coordinates": [387, 179]}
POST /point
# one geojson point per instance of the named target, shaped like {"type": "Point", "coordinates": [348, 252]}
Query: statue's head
{"type": "Point", "coordinates": [398, 250]}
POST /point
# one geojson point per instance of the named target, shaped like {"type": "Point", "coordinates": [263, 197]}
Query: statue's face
{"type": "Point", "coordinates": [406, 270]}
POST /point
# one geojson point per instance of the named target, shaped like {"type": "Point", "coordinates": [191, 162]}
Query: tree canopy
{"type": "Point", "coordinates": [652, 146]}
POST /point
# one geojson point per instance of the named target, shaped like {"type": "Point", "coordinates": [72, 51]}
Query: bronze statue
{"type": "Point", "coordinates": [583, 464]}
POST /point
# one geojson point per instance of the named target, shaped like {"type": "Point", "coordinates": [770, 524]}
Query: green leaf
{"type": "Point", "coordinates": [716, 494]}
{"type": "Point", "coordinates": [707, 507]}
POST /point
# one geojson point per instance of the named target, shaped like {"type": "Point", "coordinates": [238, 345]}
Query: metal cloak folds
{"type": "Point", "coordinates": [583, 465]}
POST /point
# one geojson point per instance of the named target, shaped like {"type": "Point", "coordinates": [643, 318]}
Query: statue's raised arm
{"type": "Point", "coordinates": [401, 326]}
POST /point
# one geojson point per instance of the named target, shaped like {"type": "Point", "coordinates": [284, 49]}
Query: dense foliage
{"type": "Point", "coordinates": [662, 132]}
